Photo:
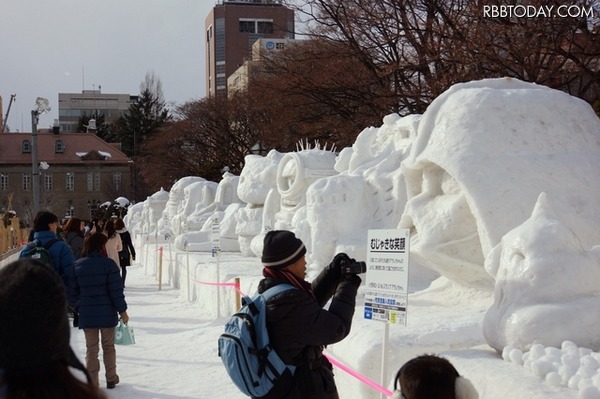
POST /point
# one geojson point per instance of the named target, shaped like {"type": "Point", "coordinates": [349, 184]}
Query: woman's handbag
{"type": "Point", "coordinates": [124, 334]}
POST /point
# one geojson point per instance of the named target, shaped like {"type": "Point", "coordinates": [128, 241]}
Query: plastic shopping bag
{"type": "Point", "coordinates": [124, 334]}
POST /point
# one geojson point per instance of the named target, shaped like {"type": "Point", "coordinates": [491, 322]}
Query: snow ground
{"type": "Point", "coordinates": [175, 355]}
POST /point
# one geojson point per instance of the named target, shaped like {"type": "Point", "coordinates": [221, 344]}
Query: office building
{"type": "Point", "coordinates": [72, 106]}
{"type": "Point", "coordinates": [232, 27]}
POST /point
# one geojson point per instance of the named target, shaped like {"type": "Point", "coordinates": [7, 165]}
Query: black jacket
{"type": "Point", "coordinates": [299, 328]}
{"type": "Point", "coordinates": [128, 250]}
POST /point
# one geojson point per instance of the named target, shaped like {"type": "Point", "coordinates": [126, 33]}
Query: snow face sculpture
{"type": "Point", "coordinates": [155, 205]}
{"type": "Point", "coordinates": [545, 280]}
{"type": "Point", "coordinates": [257, 178]}
{"type": "Point", "coordinates": [200, 222]}
{"type": "Point", "coordinates": [297, 171]}
{"type": "Point", "coordinates": [484, 152]}
{"type": "Point", "coordinates": [199, 194]}
{"type": "Point", "coordinates": [369, 193]}
{"type": "Point", "coordinates": [134, 220]}
{"type": "Point", "coordinates": [176, 199]}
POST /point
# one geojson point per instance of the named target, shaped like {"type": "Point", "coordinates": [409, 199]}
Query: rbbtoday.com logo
{"type": "Point", "coordinates": [521, 11]}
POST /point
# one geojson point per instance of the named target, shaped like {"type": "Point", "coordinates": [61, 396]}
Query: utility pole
{"type": "Point", "coordinates": [41, 108]}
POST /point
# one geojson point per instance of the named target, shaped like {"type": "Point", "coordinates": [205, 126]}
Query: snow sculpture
{"type": "Point", "coordinates": [153, 208]}
{"type": "Point", "coordinates": [223, 209]}
{"type": "Point", "coordinates": [484, 152]}
{"type": "Point", "coordinates": [285, 205]}
{"type": "Point", "coordinates": [134, 220]}
{"type": "Point", "coordinates": [176, 200]}
{"type": "Point", "coordinates": [198, 194]}
{"type": "Point", "coordinates": [297, 171]}
{"type": "Point", "coordinates": [256, 179]}
{"type": "Point", "coordinates": [545, 280]}
{"type": "Point", "coordinates": [369, 193]}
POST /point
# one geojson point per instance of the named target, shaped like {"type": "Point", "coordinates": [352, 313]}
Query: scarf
{"type": "Point", "coordinates": [291, 278]}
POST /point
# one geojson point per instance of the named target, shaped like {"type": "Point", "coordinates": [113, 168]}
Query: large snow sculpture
{"type": "Point", "coordinates": [197, 195]}
{"type": "Point", "coordinates": [484, 152]}
{"type": "Point", "coordinates": [153, 209]}
{"type": "Point", "coordinates": [545, 280]}
{"type": "Point", "coordinates": [176, 199]}
{"type": "Point", "coordinates": [285, 205]}
{"type": "Point", "coordinates": [369, 193]}
{"type": "Point", "coordinates": [134, 219]}
{"type": "Point", "coordinates": [200, 222]}
{"type": "Point", "coordinates": [297, 171]}
{"type": "Point", "coordinates": [257, 178]}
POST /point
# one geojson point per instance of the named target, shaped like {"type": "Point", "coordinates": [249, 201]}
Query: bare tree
{"type": "Point", "coordinates": [315, 90]}
{"type": "Point", "coordinates": [208, 135]}
{"type": "Point", "coordinates": [419, 48]}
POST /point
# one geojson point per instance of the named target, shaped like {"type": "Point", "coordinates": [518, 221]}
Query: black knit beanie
{"type": "Point", "coordinates": [33, 311]}
{"type": "Point", "coordinates": [281, 248]}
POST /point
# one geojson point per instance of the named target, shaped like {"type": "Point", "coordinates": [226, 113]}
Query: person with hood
{"type": "Point", "coordinates": [45, 227]}
{"type": "Point", "coordinates": [128, 252]}
{"type": "Point", "coordinates": [299, 328]}
{"type": "Point", "coordinates": [96, 292]}
{"type": "Point", "coordinates": [35, 355]}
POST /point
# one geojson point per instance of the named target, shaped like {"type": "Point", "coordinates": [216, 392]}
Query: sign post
{"type": "Point", "coordinates": [386, 291]}
{"type": "Point", "coordinates": [216, 252]}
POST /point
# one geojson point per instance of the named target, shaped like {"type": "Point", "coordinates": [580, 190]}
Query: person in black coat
{"type": "Point", "coordinates": [128, 251]}
{"type": "Point", "coordinates": [96, 292]}
{"type": "Point", "coordinates": [35, 355]}
{"type": "Point", "coordinates": [299, 328]}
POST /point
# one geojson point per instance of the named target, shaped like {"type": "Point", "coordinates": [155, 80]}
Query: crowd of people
{"type": "Point", "coordinates": [86, 274]}
{"type": "Point", "coordinates": [90, 259]}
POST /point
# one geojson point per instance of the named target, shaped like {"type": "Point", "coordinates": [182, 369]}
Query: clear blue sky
{"type": "Point", "coordinates": [64, 46]}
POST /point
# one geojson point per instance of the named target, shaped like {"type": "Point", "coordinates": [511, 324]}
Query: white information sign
{"type": "Point", "coordinates": [386, 291]}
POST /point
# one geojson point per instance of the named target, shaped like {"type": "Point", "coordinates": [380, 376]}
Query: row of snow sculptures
{"type": "Point", "coordinates": [459, 177]}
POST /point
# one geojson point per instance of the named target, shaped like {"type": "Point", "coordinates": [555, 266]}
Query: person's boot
{"type": "Point", "coordinates": [113, 383]}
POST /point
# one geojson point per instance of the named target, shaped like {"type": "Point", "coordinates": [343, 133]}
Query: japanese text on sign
{"type": "Point", "coordinates": [387, 244]}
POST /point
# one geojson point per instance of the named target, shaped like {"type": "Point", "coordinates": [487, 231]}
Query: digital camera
{"type": "Point", "coordinates": [354, 267]}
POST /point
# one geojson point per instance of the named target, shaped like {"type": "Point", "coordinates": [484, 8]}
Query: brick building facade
{"type": "Point", "coordinates": [78, 172]}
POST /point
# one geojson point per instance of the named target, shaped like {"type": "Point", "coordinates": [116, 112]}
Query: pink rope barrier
{"type": "Point", "coordinates": [358, 376]}
{"type": "Point", "coordinates": [234, 285]}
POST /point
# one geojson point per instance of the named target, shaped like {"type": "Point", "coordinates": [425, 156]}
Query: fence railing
{"type": "Point", "coordinates": [12, 237]}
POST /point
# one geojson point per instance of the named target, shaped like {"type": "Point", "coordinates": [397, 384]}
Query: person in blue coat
{"type": "Point", "coordinates": [45, 226]}
{"type": "Point", "coordinates": [96, 292]}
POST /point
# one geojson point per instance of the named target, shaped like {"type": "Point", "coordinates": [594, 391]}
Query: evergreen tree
{"type": "Point", "coordinates": [144, 118]}
{"type": "Point", "coordinates": [104, 130]}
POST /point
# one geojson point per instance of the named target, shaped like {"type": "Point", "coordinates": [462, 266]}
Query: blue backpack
{"type": "Point", "coordinates": [253, 365]}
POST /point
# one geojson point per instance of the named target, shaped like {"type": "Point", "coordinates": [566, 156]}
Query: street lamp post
{"type": "Point", "coordinates": [41, 105]}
